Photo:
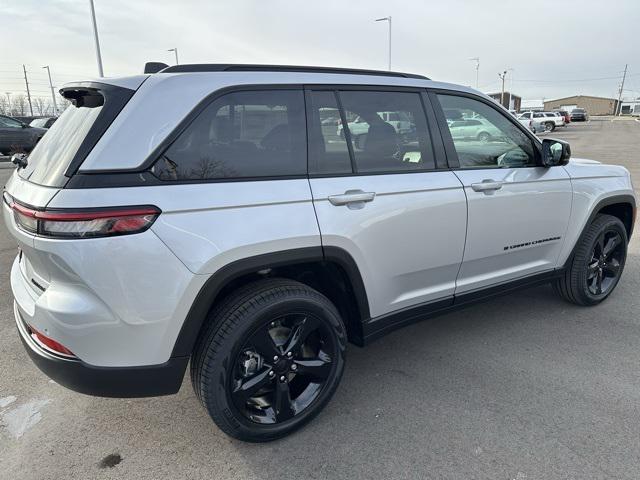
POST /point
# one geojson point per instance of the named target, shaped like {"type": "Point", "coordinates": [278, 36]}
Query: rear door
{"type": "Point", "coordinates": [381, 197]}
{"type": "Point", "coordinates": [518, 210]}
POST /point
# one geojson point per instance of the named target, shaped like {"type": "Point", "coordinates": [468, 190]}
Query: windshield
{"type": "Point", "coordinates": [74, 134]}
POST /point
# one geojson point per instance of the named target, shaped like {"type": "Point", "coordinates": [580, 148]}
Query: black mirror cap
{"type": "Point", "coordinates": [154, 67]}
{"type": "Point", "coordinates": [551, 158]}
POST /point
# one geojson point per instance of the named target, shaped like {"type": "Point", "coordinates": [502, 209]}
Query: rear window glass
{"type": "Point", "coordinates": [241, 135]}
{"type": "Point", "coordinates": [74, 133]}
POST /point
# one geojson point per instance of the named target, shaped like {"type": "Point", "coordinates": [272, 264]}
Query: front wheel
{"type": "Point", "coordinates": [549, 127]}
{"type": "Point", "coordinates": [597, 263]}
{"type": "Point", "coordinates": [484, 137]}
{"type": "Point", "coordinates": [270, 360]}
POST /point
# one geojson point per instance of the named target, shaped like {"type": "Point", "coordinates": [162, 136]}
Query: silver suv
{"type": "Point", "coordinates": [213, 215]}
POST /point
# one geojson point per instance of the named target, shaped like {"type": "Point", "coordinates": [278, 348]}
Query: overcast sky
{"type": "Point", "coordinates": [556, 48]}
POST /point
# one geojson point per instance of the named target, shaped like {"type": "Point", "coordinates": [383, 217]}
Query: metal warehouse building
{"type": "Point", "coordinates": [593, 105]}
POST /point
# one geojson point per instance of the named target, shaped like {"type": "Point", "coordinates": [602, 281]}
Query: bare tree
{"type": "Point", "coordinates": [40, 105]}
{"type": "Point", "coordinates": [19, 104]}
{"type": "Point", "coordinates": [4, 105]}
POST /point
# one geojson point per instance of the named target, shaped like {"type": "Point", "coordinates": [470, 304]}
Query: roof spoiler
{"type": "Point", "coordinates": [154, 67]}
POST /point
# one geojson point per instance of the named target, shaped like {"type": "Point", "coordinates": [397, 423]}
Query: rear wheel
{"type": "Point", "coordinates": [484, 137]}
{"type": "Point", "coordinates": [270, 359]}
{"type": "Point", "coordinates": [597, 263]}
{"type": "Point", "coordinates": [549, 127]}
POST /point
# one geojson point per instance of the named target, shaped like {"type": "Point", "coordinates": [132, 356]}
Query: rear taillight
{"type": "Point", "coordinates": [49, 343]}
{"type": "Point", "coordinates": [85, 223]}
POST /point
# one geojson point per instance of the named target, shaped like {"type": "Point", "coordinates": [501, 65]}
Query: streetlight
{"type": "Point", "coordinates": [387, 19]}
{"type": "Point", "coordinates": [174, 50]}
{"type": "Point", "coordinates": [502, 77]}
{"type": "Point", "coordinates": [95, 36]}
{"type": "Point", "coordinates": [510, 86]}
{"type": "Point", "coordinates": [477, 60]}
{"type": "Point", "coordinates": [53, 95]}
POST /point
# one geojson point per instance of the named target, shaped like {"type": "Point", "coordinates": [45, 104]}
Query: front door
{"type": "Point", "coordinates": [518, 210]}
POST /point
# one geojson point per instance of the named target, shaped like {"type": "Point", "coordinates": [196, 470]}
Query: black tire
{"type": "Point", "coordinates": [578, 284]}
{"type": "Point", "coordinates": [484, 137]}
{"type": "Point", "coordinates": [549, 127]}
{"type": "Point", "coordinates": [224, 352]}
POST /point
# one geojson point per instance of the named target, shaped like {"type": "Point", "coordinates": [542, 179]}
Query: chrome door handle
{"type": "Point", "coordinates": [354, 199]}
{"type": "Point", "coordinates": [487, 186]}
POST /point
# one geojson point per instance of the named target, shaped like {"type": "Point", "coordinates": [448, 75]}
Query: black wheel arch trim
{"type": "Point", "coordinates": [605, 202]}
{"type": "Point", "coordinates": [207, 295]}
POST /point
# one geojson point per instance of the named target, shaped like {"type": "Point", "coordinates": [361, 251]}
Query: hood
{"type": "Point", "coordinates": [583, 161]}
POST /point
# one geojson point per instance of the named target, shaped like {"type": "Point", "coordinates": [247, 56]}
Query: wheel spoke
{"type": "Point", "coordinates": [264, 344]}
{"type": "Point", "coordinates": [283, 406]}
{"type": "Point", "coordinates": [299, 334]}
{"type": "Point", "coordinates": [316, 368]}
{"type": "Point", "coordinates": [599, 247]}
{"type": "Point", "coordinates": [599, 283]}
{"type": "Point", "coordinates": [592, 270]}
{"type": "Point", "coordinates": [610, 246]}
{"type": "Point", "coordinates": [613, 267]}
{"type": "Point", "coordinates": [249, 387]}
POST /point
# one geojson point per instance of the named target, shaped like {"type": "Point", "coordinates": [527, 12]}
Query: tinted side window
{"type": "Point", "coordinates": [401, 143]}
{"type": "Point", "coordinates": [493, 142]}
{"type": "Point", "coordinates": [240, 135]}
{"type": "Point", "coordinates": [328, 150]}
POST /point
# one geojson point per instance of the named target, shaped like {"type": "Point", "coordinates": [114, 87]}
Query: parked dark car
{"type": "Point", "coordinates": [579, 115]}
{"type": "Point", "coordinates": [565, 115]}
{"type": "Point", "coordinates": [16, 136]}
{"type": "Point", "coordinates": [44, 122]}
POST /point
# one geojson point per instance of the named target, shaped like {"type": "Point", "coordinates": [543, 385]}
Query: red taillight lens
{"type": "Point", "coordinates": [89, 223]}
{"type": "Point", "coordinates": [49, 343]}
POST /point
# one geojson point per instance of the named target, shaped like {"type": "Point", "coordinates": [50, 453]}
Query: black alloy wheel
{"type": "Point", "coordinates": [282, 368]}
{"type": "Point", "coordinates": [270, 359]}
{"type": "Point", "coordinates": [605, 266]}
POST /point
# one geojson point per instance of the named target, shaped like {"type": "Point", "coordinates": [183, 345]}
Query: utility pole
{"type": "Point", "coordinates": [387, 19]}
{"type": "Point", "coordinates": [95, 36]}
{"type": "Point", "coordinates": [174, 50]}
{"type": "Point", "coordinates": [619, 105]}
{"type": "Point", "coordinates": [26, 82]}
{"type": "Point", "coordinates": [53, 95]}
{"type": "Point", "coordinates": [477, 60]}
{"type": "Point", "coordinates": [510, 87]}
{"type": "Point", "coordinates": [502, 77]}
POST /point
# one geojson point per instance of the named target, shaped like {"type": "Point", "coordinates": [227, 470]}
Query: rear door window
{"type": "Point", "coordinates": [242, 134]}
{"type": "Point", "coordinates": [387, 146]}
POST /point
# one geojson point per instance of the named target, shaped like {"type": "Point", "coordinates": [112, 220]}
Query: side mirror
{"type": "Point", "coordinates": [555, 152]}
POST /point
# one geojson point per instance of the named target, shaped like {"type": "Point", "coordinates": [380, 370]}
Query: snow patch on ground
{"type": "Point", "coordinates": [20, 419]}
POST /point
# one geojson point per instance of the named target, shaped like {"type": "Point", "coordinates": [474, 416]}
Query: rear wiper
{"type": "Point", "coordinates": [19, 159]}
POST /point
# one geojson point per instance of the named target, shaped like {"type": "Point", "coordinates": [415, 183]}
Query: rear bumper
{"type": "Point", "coordinates": [122, 382]}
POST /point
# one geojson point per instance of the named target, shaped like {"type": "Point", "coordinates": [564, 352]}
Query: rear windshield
{"type": "Point", "coordinates": [69, 140]}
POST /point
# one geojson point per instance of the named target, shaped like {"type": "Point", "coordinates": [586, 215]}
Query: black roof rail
{"type": "Point", "coordinates": [237, 67]}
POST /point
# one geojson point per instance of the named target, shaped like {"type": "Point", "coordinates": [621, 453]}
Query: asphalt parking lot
{"type": "Point", "coordinates": [521, 387]}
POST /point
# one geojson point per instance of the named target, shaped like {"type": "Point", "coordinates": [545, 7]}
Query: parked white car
{"type": "Point", "coordinates": [400, 121]}
{"type": "Point", "coordinates": [548, 120]}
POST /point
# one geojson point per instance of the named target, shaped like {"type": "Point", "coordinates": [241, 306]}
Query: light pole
{"type": "Point", "coordinates": [510, 87]}
{"type": "Point", "coordinates": [387, 19]}
{"type": "Point", "coordinates": [502, 77]}
{"type": "Point", "coordinates": [53, 95]}
{"type": "Point", "coordinates": [477, 60]}
{"type": "Point", "coordinates": [95, 36]}
{"type": "Point", "coordinates": [174, 50]}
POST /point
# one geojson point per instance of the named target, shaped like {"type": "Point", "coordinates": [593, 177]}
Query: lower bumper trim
{"type": "Point", "coordinates": [117, 382]}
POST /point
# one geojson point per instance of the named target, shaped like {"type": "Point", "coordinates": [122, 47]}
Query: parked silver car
{"type": "Point", "coordinates": [205, 215]}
